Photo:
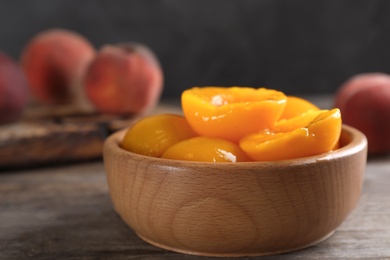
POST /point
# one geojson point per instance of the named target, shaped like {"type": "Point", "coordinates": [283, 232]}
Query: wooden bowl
{"type": "Point", "coordinates": [236, 209]}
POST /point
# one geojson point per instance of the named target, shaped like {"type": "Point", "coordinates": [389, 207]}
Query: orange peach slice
{"type": "Point", "coordinates": [290, 124]}
{"type": "Point", "coordinates": [296, 106]}
{"type": "Point", "coordinates": [206, 149]}
{"type": "Point", "coordinates": [152, 135]}
{"type": "Point", "coordinates": [231, 113]}
{"type": "Point", "coordinates": [319, 136]}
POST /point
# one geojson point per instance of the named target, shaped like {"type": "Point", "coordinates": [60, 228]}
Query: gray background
{"type": "Point", "coordinates": [299, 47]}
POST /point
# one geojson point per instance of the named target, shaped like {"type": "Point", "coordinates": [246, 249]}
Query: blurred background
{"type": "Point", "coordinates": [296, 46]}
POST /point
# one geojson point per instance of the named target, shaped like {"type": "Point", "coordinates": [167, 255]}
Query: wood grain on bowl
{"type": "Point", "coordinates": [236, 209]}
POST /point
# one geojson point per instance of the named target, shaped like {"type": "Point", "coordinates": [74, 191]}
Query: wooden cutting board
{"type": "Point", "coordinates": [47, 136]}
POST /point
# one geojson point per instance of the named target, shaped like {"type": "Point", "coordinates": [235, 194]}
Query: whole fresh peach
{"type": "Point", "coordinates": [124, 79]}
{"type": "Point", "coordinates": [13, 90]}
{"type": "Point", "coordinates": [54, 62]}
{"type": "Point", "coordinates": [364, 102]}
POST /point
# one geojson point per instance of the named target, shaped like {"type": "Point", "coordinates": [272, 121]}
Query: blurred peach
{"type": "Point", "coordinates": [54, 62]}
{"type": "Point", "coordinates": [124, 79]}
{"type": "Point", "coordinates": [364, 101]}
{"type": "Point", "coordinates": [13, 90]}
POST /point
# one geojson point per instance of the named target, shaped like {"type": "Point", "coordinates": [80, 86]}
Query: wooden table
{"type": "Point", "coordinates": [65, 212]}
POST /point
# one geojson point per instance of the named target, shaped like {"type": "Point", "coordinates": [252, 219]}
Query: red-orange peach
{"type": "Point", "coordinates": [54, 62]}
{"type": "Point", "coordinates": [13, 90]}
{"type": "Point", "coordinates": [124, 79]}
{"type": "Point", "coordinates": [364, 102]}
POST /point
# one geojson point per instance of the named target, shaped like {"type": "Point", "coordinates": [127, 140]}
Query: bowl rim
{"type": "Point", "coordinates": [357, 143]}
